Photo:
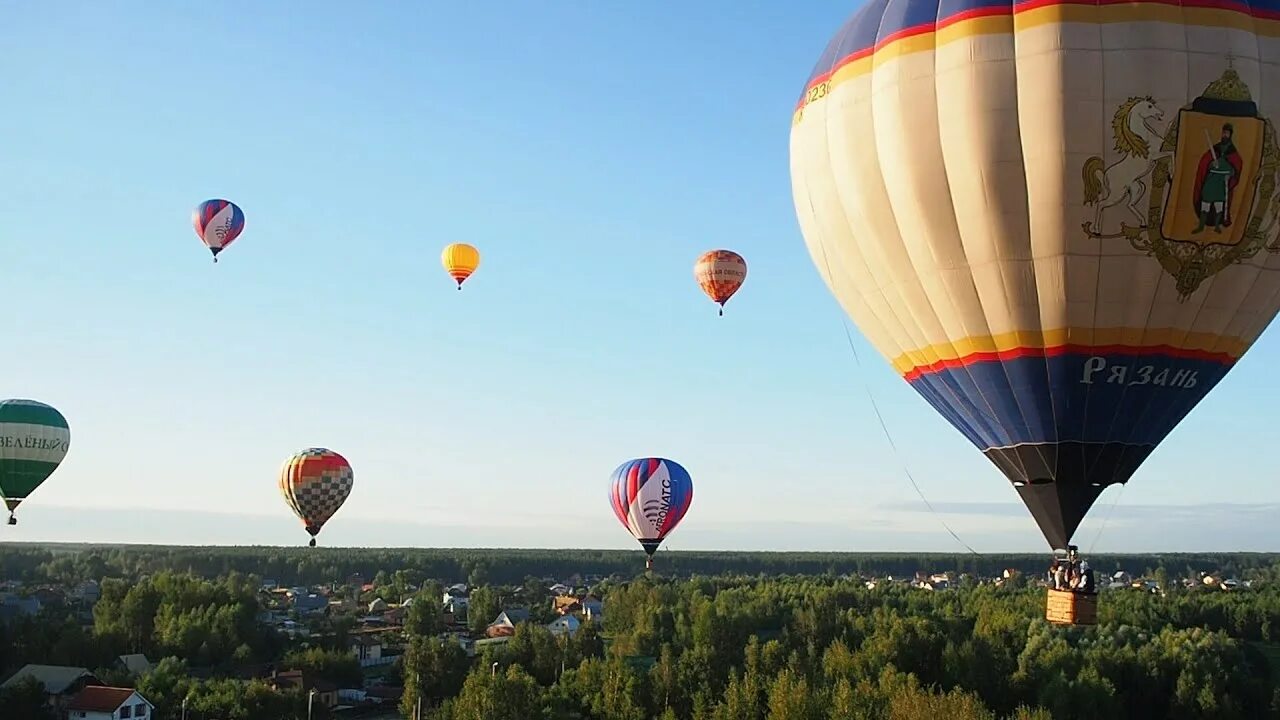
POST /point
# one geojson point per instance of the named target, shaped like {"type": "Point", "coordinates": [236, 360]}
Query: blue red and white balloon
{"type": "Point", "coordinates": [218, 223]}
{"type": "Point", "coordinates": [650, 496]}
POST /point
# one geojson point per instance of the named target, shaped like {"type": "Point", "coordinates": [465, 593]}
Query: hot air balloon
{"type": "Point", "coordinates": [650, 496]}
{"type": "Point", "coordinates": [315, 482]}
{"type": "Point", "coordinates": [460, 260]}
{"type": "Point", "coordinates": [218, 223]}
{"type": "Point", "coordinates": [34, 438]}
{"type": "Point", "coordinates": [1057, 221]}
{"type": "Point", "coordinates": [720, 273]}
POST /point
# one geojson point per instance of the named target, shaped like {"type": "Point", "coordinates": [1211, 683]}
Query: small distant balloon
{"type": "Point", "coordinates": [720, 273]}
{"type": "Point", "coordinates": [650, 496]}
{"type": "Point", "coordinates": [460, 260]}
{"type": "Point", "coordinates": [34, 438]}
{"type": "Point", "coordinates": [315, 482]}
{"type": "Point", "coordinates": [218, 223]}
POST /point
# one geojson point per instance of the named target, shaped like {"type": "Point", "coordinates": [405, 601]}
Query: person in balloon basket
{"type": "Point", "coordinates": [1059, 570]}
{"type": "Point", "coordinates": [1083, 582]}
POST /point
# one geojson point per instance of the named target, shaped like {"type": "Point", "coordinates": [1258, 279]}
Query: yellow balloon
{"type": "Point", "coordinates": [460, 260]}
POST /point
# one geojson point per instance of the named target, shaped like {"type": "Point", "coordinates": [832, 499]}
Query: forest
{"type": "Point", "coordinates": [310, 566]}
{"type": "Point", "coordinates": [713, 644]}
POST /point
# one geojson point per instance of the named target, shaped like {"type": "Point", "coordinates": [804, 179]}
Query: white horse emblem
{"type": "Point", "coordinates": [1138, 141]}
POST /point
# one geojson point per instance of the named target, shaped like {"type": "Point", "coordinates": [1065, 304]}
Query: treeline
{"type": "Point", "coordinates": [828, 649]}
{"type": "Point", "coordinates": [307, 566]}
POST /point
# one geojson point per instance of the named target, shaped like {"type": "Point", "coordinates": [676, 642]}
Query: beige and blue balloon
{"type": "Point", "coordinates": [34, 439]}
{"type": "Point", "coordinates": [1059, 221]}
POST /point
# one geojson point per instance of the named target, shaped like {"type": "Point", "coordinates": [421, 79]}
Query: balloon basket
{"type": "Point", "coordinates": [13, 520]}
{"type": "Point", "coordinates": [312, 543]}
{"type": "Point", "coordinates": [1063, 607]}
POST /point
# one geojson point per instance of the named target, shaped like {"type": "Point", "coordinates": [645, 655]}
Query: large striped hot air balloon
{"type": "Point", "coordinates": [34, 438]}
{"type": "Point", "coordinates": [650, 496]}
{"type": "Point", "coordinates": [460, 260]}
{"type": "Point", "coordinates": [315, 482]}
{"type": "Point", "coordinates": [218, 223]}
{"type": "Point", "coordinates": [1057, 220]}
{"type": "Point", "coordinates": [720, 273]}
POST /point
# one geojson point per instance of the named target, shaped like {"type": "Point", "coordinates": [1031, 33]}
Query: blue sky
{"type": "Point", "coordinates": [591, 151]}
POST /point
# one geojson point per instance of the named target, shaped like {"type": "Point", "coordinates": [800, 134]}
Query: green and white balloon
{"type": "Point", "coordinates": [34, 438]}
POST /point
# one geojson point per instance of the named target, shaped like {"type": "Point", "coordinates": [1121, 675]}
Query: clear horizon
{"type": "Point", "coordinates": [591, 154]}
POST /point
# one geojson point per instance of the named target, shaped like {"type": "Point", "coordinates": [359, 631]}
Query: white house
{"type": "Point", "coordinates": [367, 649]}
{"type": "Point", "coordinates": [592, 609]}
{"type": "Point", "coordinates": [108, 703]}
{"type": "Point", "coordinates": [564, 625]}
{"type": "Point", "coordinates": [455, 602]}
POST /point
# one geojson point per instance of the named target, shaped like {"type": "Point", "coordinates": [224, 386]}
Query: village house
{"type": "Point", "coordinates": [567, 625]}
{"type": "Point", "coordinates": [136, 664]}
{"type": "Point", "coordinates": [310, 604]}
{"type": "Point", "coordinates": [505, 624]}
{"type": "Point", "coordinates": [14, 606]}
{"type": "Point", "coordinates": [326, 692]}
{"type": "Point", "coordinates": [367, 649]}
{"type": "Point", "coordinates": [86, 592]}
{"type": "Point", "coordinates": [108, 703]}
{"type": "Point", "coordinates": [560, 589]}
{"type": "Point", "coordinates": [60, 682]}
{"type": "Point", "coordinates": [566, 604]}
{"type": "Point", "coordinates": [455, 600]}
{"type": "Point", "coordinates": [592, 609]}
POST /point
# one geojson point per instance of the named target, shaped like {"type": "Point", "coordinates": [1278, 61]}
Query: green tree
{"type": "Point", "coordinates": [340, 668]}
{"type": "Point", "coordinates": [506, 696]}
{"type": "Point", "coordinates": [24, 700]}
{"type": "Point", "coordinates": [482, 608]}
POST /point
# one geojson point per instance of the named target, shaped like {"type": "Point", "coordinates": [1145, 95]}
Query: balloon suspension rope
{"type": "Point", "coordinates": [1107, 519]}
{"type": "Point", "coordinates": [866, 386]}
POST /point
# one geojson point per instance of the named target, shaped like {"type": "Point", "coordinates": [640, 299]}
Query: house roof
{"type": "Point", "coordinates": [296, 678]}
{"type": "Point", "coordinates": [55, 678]}
{"type": "Point", "coordinates": [136, 664]}
{"type": "Point", "coordinates": [101, 699]}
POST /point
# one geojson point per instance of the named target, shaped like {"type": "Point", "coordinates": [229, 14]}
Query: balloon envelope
{"type": "Point", "coordinates": [720, 273]}
{"type": "Point", "coordinates": [315, 482]}
{"type": "Point", "coordinates": [218, 223]}
{"type": "Point", "coordinates": [650, 497]}
{"type": "Point", "coordinates": [1057, 221]}
{"type": "Point", "coordinates": [460, 260]}
{"type": "Point", "coordinates": [34, 439]}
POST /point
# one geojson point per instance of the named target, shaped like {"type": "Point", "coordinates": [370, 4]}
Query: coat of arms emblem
{"type": "Point", "coordinates": [1199, 195]}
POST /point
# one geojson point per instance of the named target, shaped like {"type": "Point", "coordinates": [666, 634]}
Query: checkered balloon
{"type": "Point", "coordinates": [315, 482]}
